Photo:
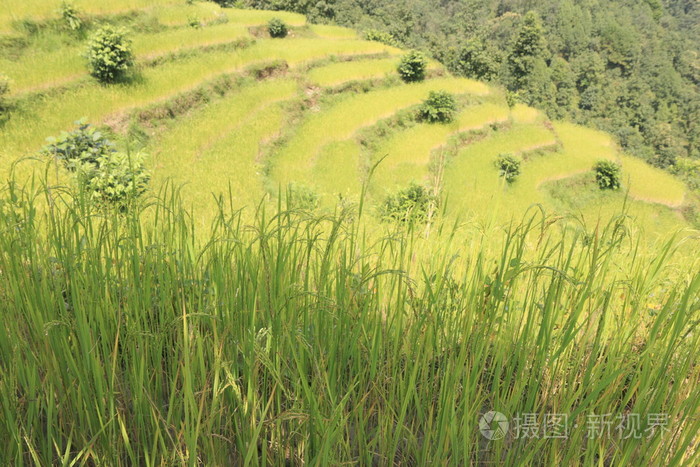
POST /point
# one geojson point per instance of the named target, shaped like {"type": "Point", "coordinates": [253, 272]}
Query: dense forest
{"type": "Point", "coordinates": [628, 67]}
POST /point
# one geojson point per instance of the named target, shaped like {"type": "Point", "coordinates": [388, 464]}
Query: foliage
{"type": "Point", "coordinates": [4, 91]}
{"type": "Point", "coordinates": [608, 174]}
{"type": "Point", "coordinates": [380, 36]}
{"type": "Point", "coordinates": [412, 204]}
{"type": "Point", "coordinates": [302, 197]}
{"type": "Point", "coordinates": [70, 16]}
{"type": "Point", "coordinates": [439, 107]}
{"type": "Point", "coordinates": [171, 346]}
{"type": "Point", "coordinates": [606, 48]}
{"type": "Point", "coordinates": [85, 145]}
{"type": "Point", "coordinates": [194, 22]}
{"type": "Point", "coordinates": [528, 51]}
{"type": "Point", "coordinates": [109, 54]}
{"type": "Point", "coordinates": [508, 167]}
{"type": "Point", "coordinates": [277, 28]}
{"type": "Point", "coordinates": [412, 66]}
{"type": "Point", "coordinates": [108, 176]}
{"type": "Point", "coordinates": [117, 179]}
{"type": "Point", "coordinates": [476, 60]}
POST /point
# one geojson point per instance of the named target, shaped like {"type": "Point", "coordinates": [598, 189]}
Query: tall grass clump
{"type": "Point", "coordinates": [295, 338]}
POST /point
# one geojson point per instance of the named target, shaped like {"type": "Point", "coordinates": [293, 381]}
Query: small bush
{"type": "Point", "coordinates": [412, 67]}
{"type": "Point", "coordinates": [83, 146]}
{"type": "Point", "coordinates": [277, 28]}
{"type": "Point", "coordinates": [194, 22]}
{"type": "Point", "coordinates": [439, 107]}
{"type": "Point", "coordinates": [508, 167]}
{"type": "Point", "coordinates": [4, 91]}
{"type": "Point", "coordinates": [109, 177]}
{"type": "Point", "coordinates": [410, 205]}
{"type": "Point", "coordinates": [70, 17]}
{"type": "Point", "coordinates": [608, 174]}
{"type": "Point", "coordinates": [116, 181]}
{"type": "Point", "coordinates": [301, 197]}
{"type": "Point", "coordinates": [109, 54]}
{"type": "Point", "coordinates": [380, 36]}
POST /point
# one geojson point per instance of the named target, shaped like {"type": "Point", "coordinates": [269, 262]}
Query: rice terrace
{"type": "Point", "coordinates": [239, 233]}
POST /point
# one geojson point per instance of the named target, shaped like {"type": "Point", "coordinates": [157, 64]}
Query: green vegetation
{"type": "Point", "coordinates": [359, 351]}
{"type": "Point", "coordinates": [306, 269]}
{"type": "Point", "coordinates": [110, 55]}
{"type": "Point", "coordinates": [608, 175]}
{"type": "Point", "coordinates": [71, 17]}
{"type": "Point", "coordinates": [412, 67]}
{"type": "Point", "coordinates": [629, 68]}
{"type": "Point", "coordinates": [413, 204]}
{"type": "Point", "coordinates": [108, 177]}
{"type": "Point", "coordinates": [439, 107]}
{"type": "Point", "coordinates": [277, 28]}
{"type": "Point", "coordinates": [4, 91]}
{"type": "Point", "coordinates": [380, 36]}
{"type": "Point", "coordinates": [508, 167]}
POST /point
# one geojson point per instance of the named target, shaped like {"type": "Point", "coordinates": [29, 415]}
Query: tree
{"type": "Point", "coordinates": [110, 178]}
{"type": "Point", "coordinates": [608, 174]}
{"type": "Point", "coordinates": [109, 54]}
{"type": "Point", "coordinates": [508, 167]}
{"type": "Point", "coordinates": [439, 107]}
{"type": "Point", "coordinates": [565, 84]}
{"type": "Point", "coordinates": [277, 28]}
{"type": "Point", "coordinates": [412, 66]}
{"type": "Point", "coordinates": [529, 48]}
{"type": "Point", "coordinates": [476, 60]}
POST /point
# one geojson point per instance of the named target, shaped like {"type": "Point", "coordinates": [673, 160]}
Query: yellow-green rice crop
{"type": "Point", "coordinates": [46, 68]}
{"type": "Point", "coordinates": [17, 10]}
{"type": "Point", "coordinates": [26, 131]}
{"type": "Point", "coordinates": [137, 339]}
{"type": "Point", "coordinates": [408, 153]}
{"type": "Point", "coordinates": [356, 70]}
{"type": "Point", "coordinates": [333, 32]}
{"type": "Point", "coordinates": [211, 12]}
{"type": "Point", "coordinates": [339, 122]}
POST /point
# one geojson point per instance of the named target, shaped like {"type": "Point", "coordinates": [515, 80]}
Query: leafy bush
{"type": "Point", "coordinates": [109, 54]}
{"type": "Point", "coordinates": [410, 205]}
{"type": "Point", "coordinates": [301, 197]}
{"type": "Point", "coordinates": [116, 180]}
{"type": "Point", "coordinates": [83, 146]}
{"type": "Point", "coordinates": [508, 167]}
{"type": "Point", "coordinates": [70, 17]}
{"type": "Point", "coordinates": [608, 174]}
{"type": "Point", "coordinates": [4, 91]}
{"type": "Point", "coordinates": [380, 36]}
{"type": "Point", "coordinates": [412, 67]}
{"type": "Point", "coordinates": [439, 107]}
{"type": "Point", "coordinates": [277, 28]}
{"type": "Point", "coordinates": [194, 22]}
{"type": "Point", "coordinates": [109, 177]}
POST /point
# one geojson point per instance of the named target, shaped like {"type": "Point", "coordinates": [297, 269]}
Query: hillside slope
{"type": "Point", "coordinates": [217, 103]}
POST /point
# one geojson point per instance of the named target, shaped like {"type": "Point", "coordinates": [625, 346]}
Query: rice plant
{"type": "Point", "coordinates": [292, 338]}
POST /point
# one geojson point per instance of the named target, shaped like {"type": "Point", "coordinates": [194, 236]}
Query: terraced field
{"type": "Point", "coordinates": [261, 304]}
{"type": "Point", "coordinates": [224, 107]}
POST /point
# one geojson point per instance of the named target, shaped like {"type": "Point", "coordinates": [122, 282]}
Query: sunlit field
{"type": "Point", "coordinates": [260, 303]}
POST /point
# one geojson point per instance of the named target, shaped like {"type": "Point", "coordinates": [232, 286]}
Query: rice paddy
{"type": "Point", "coordinates": [223, 322]}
